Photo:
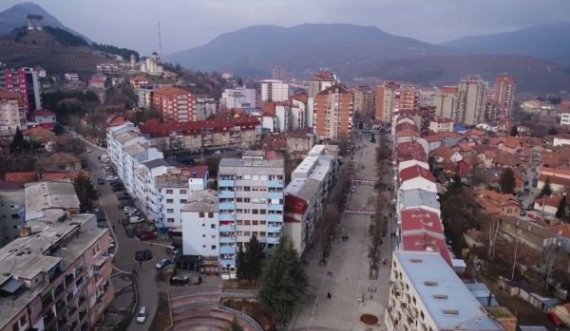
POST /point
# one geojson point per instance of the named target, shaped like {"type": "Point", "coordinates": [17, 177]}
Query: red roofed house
{"type": "Point", "coordinates": [58, 161]}
{"type": "Point", "coordinates": [115, 120]}
{"type": "Point", "coordinates": [498, 204]}
{"type": "Point", "coordinates": [559, 178]}
{"type": "Point", "coordinates": [55, 175]}
{"type": "Point", "coordinates": [44, 118]}
{"type": "Point", "coordinates": [416, 177]}
{"type": "Point", "coordinates": [20, 177]}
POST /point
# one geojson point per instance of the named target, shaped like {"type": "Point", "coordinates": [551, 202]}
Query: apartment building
{"type": "Point", "coordinates": [505, 94]}
{"type": "Point", "coordinates": [274, 90]}
{"type": "Point", "coordinates": [241, 131]}
{"type": "Point", "coordinates": [174, 189]}
{"type": "Point", "coordinates": [146, 192]}
{"type": "Point", "coordinates": [12, 202]}
{"type": "Point", "coordinates": [441, 124]}
{"type": "Point", "coordinates": [200, 224]}
{"type": "Point", "coordinates": [25, 82]}
{"type": "Point", "coordinates": [364, 99]}
{"type": "Point", "coordinates": [307, 193]}
{"type": "Point", "coordinates": [239, 97]}
{"type": "Point", "coordinates": [175, 104]}
{"type": "Point", "coordinates": [446, 103]}
{"type": "Point", "coordinates": [56, 276]}
{"type": "Point", "coordinates": [320, 82]}
{"type": "Point", "coordinates": [145, 95]}
{"type": "Point", "coordinates": [251, 200]}
{"type": "Point", "coordinates": [471, 101]}
{"type": "Point", "coordinates": [50, 201]}
{"type": "Point", "coordinates": [427, 295]}
{"type": "Point", "coordinates": [206, 107]}
{"type": "Point", "coordinates": [12, 113]}
{"type": "Point", "coordinates": [333, 113]}
{"type": "Point", "coordinates": [386, 101]}
{"type": "Point", "coordinates": [299, 111]}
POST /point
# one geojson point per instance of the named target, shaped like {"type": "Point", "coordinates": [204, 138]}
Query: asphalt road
{"type": "Point", "coordinates": [126, 247]}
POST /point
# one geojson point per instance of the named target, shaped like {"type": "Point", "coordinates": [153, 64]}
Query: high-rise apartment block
{"type": "Point", "coordinates": [25, 82]}
{"type": "Point", "coordinates": [175, 104]}
{"type": "Point", "coordinates": [471, 101]}
{"type": "Point", "coordinates": [274, 90]}
{"type": "Point", "coordinates": [364, 99]}
{"type": "Point", "coordinates": [446, 103]}
{"type": "Point", "coordinates": [251, 202]}
{"type": "Point", "coordinates": [333, 113]}
{"type": "Point", "coordinates": [321, 81]}
{"type": "Point", "coordinates": [56, 275]}
{"type": "Point", "coordinates": [386, 101]}
{"type": "Point", "coordinates": [505, 89]}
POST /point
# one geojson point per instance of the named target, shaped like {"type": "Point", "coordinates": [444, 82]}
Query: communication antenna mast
{"type": "Point", "coordinates": [159, 41]}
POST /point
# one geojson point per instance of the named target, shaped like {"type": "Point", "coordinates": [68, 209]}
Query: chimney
{"type": "Point", "coordinates": [25, 231]}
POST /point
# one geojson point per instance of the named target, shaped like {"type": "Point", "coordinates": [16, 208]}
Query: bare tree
{"type": "Point", "coordinates": [493, 226]}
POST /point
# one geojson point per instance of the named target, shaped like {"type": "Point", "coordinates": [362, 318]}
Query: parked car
{"type": "Point", "coordinates": [123, 204]}
{"type": "Point", "coordinates": [172, 250]}
{"type": "Point", "coordinates": [148, 235]}
{"type": "Point", "coordinates": [179, 280]}
{"type": "Point", "coordinates": [162, 263]}
{"type": "Point", "coordinates": [131, 233]}
{"type": "Point", "coordinates": [143, 255]}
{"type": "Point", "coordinates": [141, 315]}
{"type": "Point", "coordinates": [102, 225]}
{"type": "Point", "coordinates": [100, 181]}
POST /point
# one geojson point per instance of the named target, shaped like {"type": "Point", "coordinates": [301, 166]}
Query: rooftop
{"type": "Point", "coordinates": [304, 188]}
{"type": "Point", "coordinates": [58, 158]}
{"type": "Point", "coordinates": [41, 197]}
{"type": "Point", "coordinates": [419, 198]}
{"type": "Point", "coordinates": [446, 298]}
{"type": "Point", "coordinates": [202, 201]}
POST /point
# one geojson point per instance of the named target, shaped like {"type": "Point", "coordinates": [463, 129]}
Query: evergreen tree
{"type": "Point", "coordinates": [253, 256]}
{"type": "Point", "coordinates": [241, 264]}
{"type": "Point", "coordinates": [562, 206]}
{"type": "Point", "coordinates": [507, 181]}
{"type": "Point", "coordinates": [283, 282]}
{"type": "Point", "coordinates": [85, 191]}
{"type": "Point", "coordinates": [19, 144]}
{"type": "Point", "coordinates": [514, 131]}
{"type": "Point", "coordinates": [546, 189]}
{"type": "Point", "coordinates": [234, 325]}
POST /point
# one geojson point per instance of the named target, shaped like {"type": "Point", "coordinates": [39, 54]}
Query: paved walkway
{"type": "Point", "coordinates": [346, 276]}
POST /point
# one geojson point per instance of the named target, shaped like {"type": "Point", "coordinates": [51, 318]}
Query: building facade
{"type": "Point", "coordinates": [25, 82]}
{"type": "Point", "coordinates": [175, 104]}
{"type": "Point", "coordinates": [239, 97]}
{"type": "Point", "coordinates": [472, 102]}
{"type": "Point", "coordinates": [12, 113]}
{"type": "Point", "coordinates": [274, 90]}
{"type": "Point", "coordinates": [505, 94]}
{"type": "Point", "coordinates": [333, 113]}
{"type": "Point", "coordinates": [251, 201]}
{"type": "Point", "coordinates": [386, 101]}
{"type": "Point", "coordinates": [200, 232]}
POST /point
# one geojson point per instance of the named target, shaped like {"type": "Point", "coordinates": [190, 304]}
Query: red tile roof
{"type": "Point", "coordinates": [156, 129]}
{"type": "Point", "coordinates": [425, 242]}
{"type": "Point", "coordinates": [20, 177]}
{"type": "Point", "coordinates": [419, 219]}
{"type": "Point", "coordinates": [63, 175]}
{"type": "Point", "coordinates": [414, 172]}
{"type": "Point", "coordinates": [171, 91]}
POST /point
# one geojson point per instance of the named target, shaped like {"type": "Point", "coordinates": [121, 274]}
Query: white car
{"type": "Point", "coordinates": [141, 316]}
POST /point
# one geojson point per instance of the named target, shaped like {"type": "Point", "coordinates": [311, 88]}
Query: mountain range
{"type": "Point", "coordinates": [538, 57]}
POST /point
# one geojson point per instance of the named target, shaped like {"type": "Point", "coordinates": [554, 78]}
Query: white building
{"type": "Point", "coordinates": [441, 124]}
{"type": "Point", "coordinates": [307, 193]}
{"type": "Point", "coordinates": [561, 140]}
{"type": "Point", "coordinates": [205, 107]}
{"type": "Point", "coordinates": [144, 95]}
{"type": "Point", "coordinates": [565, 118]}
{"type": "Point", "coordinates": [427, 295]}
{"type": "Point", "coordinates": [299, 113]}
{"type": "Point", "coordinates": [274, 90]}
{"type": "Point", "coordinates": [200, 224]}
{"type": "Point", "coordinates": [12, 113]}
{"type": "Point", "coordinates": [283, 117]}
{"type": "Point", "coordinates": [239, 97]}
{"type": "Point", "coordinates": [146, 191]}
{"type": "Point", "coordinates": [151, 66]}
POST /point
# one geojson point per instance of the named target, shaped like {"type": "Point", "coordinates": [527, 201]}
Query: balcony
{"type": "Point", "coordinates": [275, 207]}
{"type": "Point", "coordinates": [276, 183]}
{"type": "Point", "coordinates": [227, 228]}
{"type": "Point", "coordinates": [227, 239]}
{"type": "Point", "coordinates": [275, 218]}
{"type": "Point", "coordinates": [275, 195]}
{"type": "Point", "coordinates": [227, 249]}
{"type": "Point", "coordinates": [226, 183]}
{"type": "Point", "coordinates": [273, 240]}
{"type": "Point", "coordinates": [274, 228]}
{"type": "Point", "coordinates": [227, 217]}
{"type": "Point", "coordinates": [227, 206]}
{"type": "Point", "coordinates": [226, 194]}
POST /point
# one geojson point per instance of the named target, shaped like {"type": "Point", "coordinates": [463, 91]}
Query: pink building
{"type": "Point", "coordinates": [56, 275]}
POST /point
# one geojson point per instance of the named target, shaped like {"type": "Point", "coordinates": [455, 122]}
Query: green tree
{"type": "Point", "coordinates": [241, 264]}
{"type": "Point", "coordinates": [507, 181]}
{"type": "Point", "coordinates": [85, 191]}
{"type": "Point", "coordinates": [546, 189]}
{"type": "Point", "coordinates": [283, 281]}
{"type": "Point", "coordinates": [514, 131]}
{"type": "Point", "coordinates": [19, 144]}
{"type": "Point", "coordinates": [254, 256]}
{"type": "Point", "coordinates": [234, 325]}
{"type": "Point", "coordinates": [562, 206]}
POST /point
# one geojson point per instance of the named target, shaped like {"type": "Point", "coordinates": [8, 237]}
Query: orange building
{"type": "Point", "coordinates": [175, 104]}
{"type": "Point", "coordinates": [505, 89]}
{"type": "Point", "coordinates": [386, 101]}
{"type": "Point", "coordinates": [333, 113]}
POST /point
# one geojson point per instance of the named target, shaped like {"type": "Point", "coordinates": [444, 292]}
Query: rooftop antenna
{"type": "Point", "coordinates": [159, 41]}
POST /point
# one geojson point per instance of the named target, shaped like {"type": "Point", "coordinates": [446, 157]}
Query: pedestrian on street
{"type": "Point", "coordinates": [329, 295]}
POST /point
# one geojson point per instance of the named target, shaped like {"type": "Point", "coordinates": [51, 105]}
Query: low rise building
{"type": "Point", "coordinates": [200, 227]}
{"type": "Point", "coordinates": [56, 276]}
{"type": "Point", "coordinates": [12, 113]}
{"type": "Point", "coordinates": [441, 124]}
{"type": "Point", "coordinates": [50, 201]}
{"type": "Point", "coordinates": [12, 202]}
{"type": "Point", "coordinates": [239, 97]}
{"type": "Point", "coordinates": [58, 161]}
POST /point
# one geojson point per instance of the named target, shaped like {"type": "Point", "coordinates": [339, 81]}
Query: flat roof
{"type": "Point", "coordinates": [419, 198]}
{"type": "Point", "coordinates": [251, 163]}
{"type": "Point", "coordinates": [44, 196]}
{"type": "Point", "coordinates": [304, 188]}
{"type": "Point", "coordinates": [446, 298]}
{"type": "Point", "coordinates": [202, 201]}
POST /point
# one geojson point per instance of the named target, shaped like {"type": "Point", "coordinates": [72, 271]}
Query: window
{"type": "Point", "coordinates": [212, 226]}
{"type": "Point", "coordinates": [246, 199]}
{"type": "Point", "coordinates": [255, 211]}
{"type": "Point", "coordinates": [247, 233]}
{"type": "Point", "coordinates": [182, 191]}
{"type": "Point", "coordinates": [247, 188]}
{"type": "Point", "coordinates": [239, 200]}
{"type": "Point", "coordinates": [262, 222]}
{"type": "Point", "coordinates": [239, 222]}
{"type": "Point", "coordinates": [213, 247]}
{"type": "Point", "coordinates": [203, 224]}
{"type": "Point", "coordinates": [170, 220]}
{"type": "Point", "coordinates": [182, 200]}
{"type": "Point", "coordinates": [246, 223]}
{"type": "Point", "coordinates": [201, 214]}
{"type": "Point", "coordinates": [210, 215]}
{"type": "Point", "coordinates": [169, 191]}
{"type": "Point", "coordinates": [23, 320]}
{"type": "Point", "coordinates": [254, 222]}
{"type": "Point", "coordinates": [263, 211]}
{"type": "Point", "coordinates": [170, 211]}
{"type": "Point", "coordinates": [169, 200]}
{"type": "Point", "coordinates": [15, 326]}
{"type": "Point", "coordinates": [203, 236]}
{"type": "Point", "coordinates": [213, 236]}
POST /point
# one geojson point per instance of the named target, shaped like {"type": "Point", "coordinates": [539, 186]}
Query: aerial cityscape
{"type": "Point", "coordinates": [255, 165]}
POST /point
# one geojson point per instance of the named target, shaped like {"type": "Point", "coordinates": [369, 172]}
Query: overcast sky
{"type": "Point", "coordinates": [189, 23]}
